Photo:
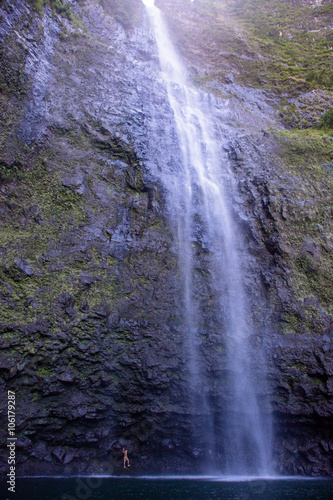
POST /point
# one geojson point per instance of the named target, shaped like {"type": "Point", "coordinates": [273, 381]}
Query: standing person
{"type": "Point", "coordinates": [125, 458]}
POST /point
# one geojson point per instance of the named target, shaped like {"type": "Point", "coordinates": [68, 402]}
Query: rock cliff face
{"type": "Point", "coordinates": [91, 313]}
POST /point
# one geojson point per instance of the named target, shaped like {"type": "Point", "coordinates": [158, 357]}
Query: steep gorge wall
{"type": "Point", "coordinates": [91, 324]}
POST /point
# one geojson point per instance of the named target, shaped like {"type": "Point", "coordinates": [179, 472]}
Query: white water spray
{"type": "Point", "coordinates": [201, 190]}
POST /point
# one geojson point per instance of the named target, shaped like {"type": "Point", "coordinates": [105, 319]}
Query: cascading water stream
{"type": "Point", "coordinates": [203, 192]}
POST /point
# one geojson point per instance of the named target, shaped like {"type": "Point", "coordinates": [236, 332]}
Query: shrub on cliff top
{"type": "Point", "coordinates": [326, 121]}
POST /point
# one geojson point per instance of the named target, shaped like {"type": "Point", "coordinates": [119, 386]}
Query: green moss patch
{"type": "Point", "coordinates": [275, 44]}
{"type": "Point", "coordinates": [307, 225]}
{"type": "Point", "coordinates": [61, 7]}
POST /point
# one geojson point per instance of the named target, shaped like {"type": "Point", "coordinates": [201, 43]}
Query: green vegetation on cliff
{"type": "Point", "coordinates": [307, 228]}
{"type": "Point", "coordinates": [292, 39]}
{"type": "Point", "coordinates": [326, 121]}
{"type": "Point", "coordinates": [275, 44]}
{"type": "Point", "coordinates": [62, 7]}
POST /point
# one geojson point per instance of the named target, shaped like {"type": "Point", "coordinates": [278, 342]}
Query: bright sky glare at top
{"type": "Point", "coordinates": [149, 3]}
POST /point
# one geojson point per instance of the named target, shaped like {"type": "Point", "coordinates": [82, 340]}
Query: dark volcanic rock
{"type": "Point", "coordinates": [91, 331]}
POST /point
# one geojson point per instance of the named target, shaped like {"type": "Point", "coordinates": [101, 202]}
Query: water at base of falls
{"type": "Point", "coordinates": [164, 488]}
{"type": "Point", "coordinates": [201, 196]}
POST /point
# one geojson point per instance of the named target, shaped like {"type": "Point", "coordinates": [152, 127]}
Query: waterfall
{"type": "Point", "coordinates": [202, 195]}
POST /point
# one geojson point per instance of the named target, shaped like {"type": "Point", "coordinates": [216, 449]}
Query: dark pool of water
{"type": "Point", "coordinates": [106, 488]}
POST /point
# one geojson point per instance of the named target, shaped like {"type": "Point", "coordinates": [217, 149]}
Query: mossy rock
{"type": "Point", "coordinates": [127, 12]}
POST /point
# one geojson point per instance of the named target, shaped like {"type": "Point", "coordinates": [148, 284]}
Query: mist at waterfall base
{"type": "Point", "coordinates": [192, 488]}
{"type": "Point", "coordinates": [200, 196]}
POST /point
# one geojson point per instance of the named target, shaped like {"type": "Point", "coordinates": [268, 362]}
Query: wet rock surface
{"type": "Point", "coordinates": [91, 328]}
